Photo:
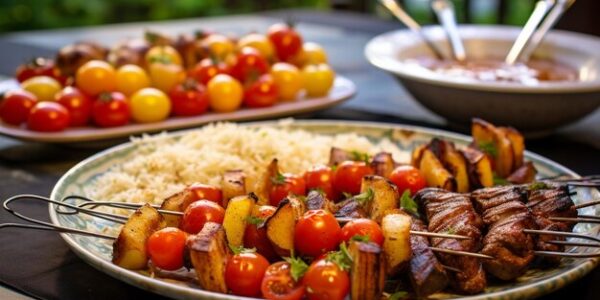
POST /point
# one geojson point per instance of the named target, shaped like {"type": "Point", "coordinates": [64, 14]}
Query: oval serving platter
{"type": "Point", "coordinates": [342, 90]}
{"type": "Point", "coordinates": [97, 252]}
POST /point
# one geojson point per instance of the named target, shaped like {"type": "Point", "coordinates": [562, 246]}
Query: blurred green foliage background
{"type": "Point", "coordinates": [18, 15]}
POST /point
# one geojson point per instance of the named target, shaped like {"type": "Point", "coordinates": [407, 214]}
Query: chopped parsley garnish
{"type": "Point", "coordinates": [278, 179]}
{"type": "Point", "coordinates": [297, 267]}
{"type": "Point", "coordinates": [489, 148]}
{"type": "Point", "coordinates": [499, 180]}
{"type": "Point", "coordinates": [408, 203]}
{"type": "Point", "coordinates": [361, 238]}
{"type": "Point", "coordinates": [538, 186]}
{"type": "Point", "coordinates": [398, 295]}
{"type": "Point", "coordinates": [341, 258]}
{"type": "Point", "coordinates": [360, 156]}
{"type": "Point", "coordinates": [254, 220]}
{"type": "Point", "coordinates": [241, 249]}
{"type": "Point", "coordinates": [365, 197]}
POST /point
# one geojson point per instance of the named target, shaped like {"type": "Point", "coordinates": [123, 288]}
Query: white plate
{"type": "Point", "coordinates": [342, 90]}
{"type": "Point", "coordinates": [97, 252]}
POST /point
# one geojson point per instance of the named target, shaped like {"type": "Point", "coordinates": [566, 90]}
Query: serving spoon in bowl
{"type": "Point", "coordinates": [444, 9]}
{"type": "Point", "coordinates": [536, 28]}
{"type": "Point", "coordinates": [407, 20]}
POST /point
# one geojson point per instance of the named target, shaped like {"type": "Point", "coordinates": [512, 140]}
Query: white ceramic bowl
{"type": "Point", "coordinates": [534, 109]}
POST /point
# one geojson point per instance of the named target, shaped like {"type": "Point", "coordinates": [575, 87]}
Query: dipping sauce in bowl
{"type": "Point", "coordinates": [496, 70]}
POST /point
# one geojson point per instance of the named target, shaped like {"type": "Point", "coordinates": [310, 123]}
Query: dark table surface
{"type": "Point", "coordinates": [40, 265]}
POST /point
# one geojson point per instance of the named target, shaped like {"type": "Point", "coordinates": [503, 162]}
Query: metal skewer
{"type": "Point", "coordinates": [444, 9]}
{"type": "Point", "coordinates": [541, 9]}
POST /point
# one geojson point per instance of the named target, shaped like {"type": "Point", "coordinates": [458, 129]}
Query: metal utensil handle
{"type": "Point", "coordinates": [541, 9]}
{"type": "Point", "coordinates": [444, 10]}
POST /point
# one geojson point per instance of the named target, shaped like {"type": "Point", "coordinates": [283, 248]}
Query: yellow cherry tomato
{"type": "Point", "coordinates": [166, 76]}
{"type": "Point", "coordinates": [131, 78]}
{"type": "Point", "coordinates": [225, 93]}
{"type": "Point", "coordinates": [218, 45]}
{"type": "Point", "coordinates": [318, 79]}
{"type": "Point", "coordinates": [288, 80]}
{"type": "Point", "coordinates": [312, 53]}
{"type": "Point", "coordinates": [259, 42]}
{"type": "Point", "coordinates": [43, 87]}
{"type": "Point", "coordinates": [149, 105]}
{"type": "Point", "coordinates": [163, 54]}
{"type": "Point", "coordinates": [95, 77]}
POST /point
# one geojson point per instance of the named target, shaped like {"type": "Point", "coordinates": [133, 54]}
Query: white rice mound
{"type": "Point", "coordinates": [163, 166]}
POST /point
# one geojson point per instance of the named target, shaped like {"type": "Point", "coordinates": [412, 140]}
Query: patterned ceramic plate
{"type": "Point", "coordinates": [97, 252]}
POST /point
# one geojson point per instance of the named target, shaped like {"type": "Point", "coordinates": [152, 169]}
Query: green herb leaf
{"type": "Point", "coordinates": [499, 180]}
{"type": "Point", "coordinates": [398, 295]}
{"type": "Point", "coordinates": [240, 249]}
{"type": "Point", "coordinates": [347, 195]}
{"type": "Point", "coordinates": [360, 156]}
{"type": "Point", "coordinates": [254, 220]}
{"type": "Point", "coordinates": [365, 197]}
{"type": "Point", "coordinates": [408, 203]}
{"type": "Point", "coordinates": [333, 168]}
{"type": "Point", "coordinates": [451, 230]}
{"type": "Point", "coordinates": [278, 179]}
{"type": "Point", "coordinates": [538, 186]}
{"type": "Point", "coordinates": [297, 267]}
{"type": "Point", "coordinates": [361, 238]}
{"type": "Point", "coordinates": [489, 148]}
{"type": "Point", "coordinates": [341, 258]}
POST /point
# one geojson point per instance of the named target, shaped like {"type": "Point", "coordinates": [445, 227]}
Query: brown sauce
{"type": "Point", "coordinates": [495, 70]}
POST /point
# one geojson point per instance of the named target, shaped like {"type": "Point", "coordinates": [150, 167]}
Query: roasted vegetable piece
{"type": "Point", "coordinates": [385, 196]}
{"type": "Point", "coordinates": [494, 142]}
{"type": "Point", "coordinates": [396, 244]}
{"type": "Point", "coordinates": [236, 216]}
{"type": "Point", "coordinates": [524, 174]}
{"type": "Point", "coordinates": [175, 203]}
{"type": "Point", "coordinates": [337, 156]}
{"type": "Point", "coordinates": [281, 225]}
{"type": "Point", "coordinates": [209, 254]}
{"type": "Point", "coordinates": [367, 274]}
{"type": "Point", "coordinates": [349, 208]}
{"type": "Point", "coordinates": [317, 200]}
{"type": "Point", "coordinates": [129, 249]}
{"type": "Point", "coordinates": [233, 185]}
{"type": "Point", "coordinates": [479, 168]}
{"type": "Point", "coordinates": [426, 273]}
{"type": "Point", "coordinates": [69, 58]}
{"type": "Point", "coordinates": [453, 161]}
{"type": "Point", "coordinates": [517, 141]}
{"type": "Point", "coordinates": [434, 172]}
{"type": "Point", "coordinates": [383, 164]}
{"type": "Point", "coordinates": [416, 155]}
{"type": "Point", "coordinates": [262, 187]}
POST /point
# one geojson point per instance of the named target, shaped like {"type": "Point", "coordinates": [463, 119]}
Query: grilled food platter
{"type": "Point", "coordinates": [522, 281]}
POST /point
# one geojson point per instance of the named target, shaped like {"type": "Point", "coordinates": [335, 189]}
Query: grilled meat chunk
{"type": "Point", "coordinates": [453, 212]}
{"type": "Point", "coordinates": [504, 213]}
{"type": "Point", "coordinates": [350, 208]}
{"type": "Point", "coordinates": [383, 164]}
{"type": "Point", "coordinates": [547, 201]}
{"type": "Point", "coordinates": [426, 273]}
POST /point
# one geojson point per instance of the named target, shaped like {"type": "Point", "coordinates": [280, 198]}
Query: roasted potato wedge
{"type": "Point", "coordinates": [396, 244]}
{"type": "Point", "coordinates": [383, 164]}
{"type": "Point", "coordinates": [453, 161]}
{"type": "Point", "coordinates": [494, 142]}
{"type": "Point", "coordinates": [367, 274]}
{"type": "Point", "coordinates": [262, 187]}
{"type": "Point", "coordinates": [175, 203]}
{"type": "Point", "coordinates": [479, 168]}
{"type": "Point", "coordinates": [281, 225]}
{"type": "Point", "coordinates": [525, 174]}
{"type": "Point", "coordinates": [435, 173]}
{"type": "Point", "coordinates": [129, 249]}
{"type": "Point", "coordinates": [209, 254]}
{"type": "Point", "coordinates": [416, 156]}
{"type": "Point", "coordinates": [385, 196]}
{"type": "Point", "coordinates": [233, 185]}
{"type": "Point", "coordinates": [236, 215]}
{"type": "Point", "coordinates": [517, 141]}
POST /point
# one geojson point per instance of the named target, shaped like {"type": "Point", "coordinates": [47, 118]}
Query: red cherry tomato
{"type": "Point", "coordinates": [285, 184]}
{"type": "Point", "coordinates": [320, 178]}
{"type": "Point", "coordinates": [38, 67]}
{"type": "Point", "coordinates": [206, 69]}
{"type": "Point", "coordinates": [203, 192]}
{"type": "Point", "coordinates": [78, 104]}
{"type": "Point", "coordinates": [48, 117]}
{"type": "Point", "coordinates": [408, 178]}
{"type": "Point", "coordinates": [348, 176]}
{"type": "Point", "coordinates": [250, 63]}
{"type": "Point", "coordinates": [363, 227]}
{"type": "Point", "coordinates": [325, 280]}
{"type": "Point", "coordinates": [286, 40]}
{"type": "Point", "coordinates": [244, 273]}
{"type": "Point", "coordinates": [166, 248]}
{"type": "Point", "coordinates": [16, 106]}
{"type": "Point", "coordinates": [189, 99]}
{"type": "Point", "coordinates": [255, 235]}
{"type": "Point", "coordinates": [200, 212]}
{"type": "Point", "coordinates": [110, 110]}
{"type": "Point", "coordinates": [278, 283]}
{"type": "Point", "coordinates": [317, 232]}
{"type": "Point", "coordinates": [261, 93]}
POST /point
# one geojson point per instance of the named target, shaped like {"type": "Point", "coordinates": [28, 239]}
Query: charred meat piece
{"type": "Point", "coordinates": [317, 200]}
{"type": "Point", "coordinates": [367, 273]}
{"type": "Point", "coordinates": [504, 213]}
{"type": "Point", "coordinates": [426, 273]}
{"type": "Point", "coordinates": [338, 156]}
{"type": "Point", "coordinates": [383, 164]}
{"type": "Point", "coordinates": [349, 208]}
{"type": "Point", "coordinates": [545, 201]}
{"type": "Point", "coordinates": [453, 212]}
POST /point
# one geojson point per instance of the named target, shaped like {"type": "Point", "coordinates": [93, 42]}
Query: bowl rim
{"type": "Point", "coordinates": [396, 67]}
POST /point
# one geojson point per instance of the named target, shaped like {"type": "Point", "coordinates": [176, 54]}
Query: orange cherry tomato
{"type": "Point", "coordinates": [208, 68]}
{"type": "Point", "coordinates": [95, 77]}
{"type": "Point", "coordinates": [166, 248]}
